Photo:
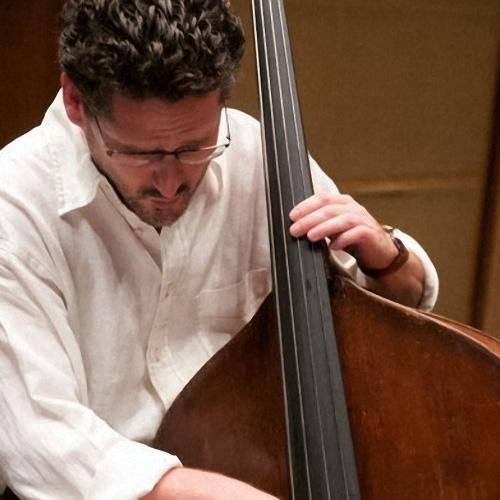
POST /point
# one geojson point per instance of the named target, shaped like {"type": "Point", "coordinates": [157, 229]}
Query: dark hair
{"type": "Point", "coordinates": [158, 48]}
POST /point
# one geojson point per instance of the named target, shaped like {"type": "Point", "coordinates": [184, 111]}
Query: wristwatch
{"type": "Point", "coordinates": [398, 261]}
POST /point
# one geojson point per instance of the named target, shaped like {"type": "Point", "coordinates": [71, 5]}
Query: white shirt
{"type": "Point", "coordinates": [103, 321]}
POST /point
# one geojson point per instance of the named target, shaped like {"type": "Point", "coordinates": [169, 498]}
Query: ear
{"type": "Point", "coordinates": [72, 101]}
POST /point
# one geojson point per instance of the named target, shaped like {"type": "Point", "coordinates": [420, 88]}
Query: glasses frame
{"type": "Point", "coordinates": [161, 154]}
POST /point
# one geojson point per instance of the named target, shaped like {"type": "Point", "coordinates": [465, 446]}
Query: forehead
{"type": "Point", "coordinates": [155, 118]}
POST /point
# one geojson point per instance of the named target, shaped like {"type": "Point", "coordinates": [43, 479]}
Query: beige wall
{"type": "Point", "coordinates": [487, 312]}
{"type": "Point", "coordinates": [397, 98]}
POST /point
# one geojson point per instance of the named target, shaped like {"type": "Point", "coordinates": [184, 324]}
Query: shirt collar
{"type": "Point", "coordinates": [76, 176]}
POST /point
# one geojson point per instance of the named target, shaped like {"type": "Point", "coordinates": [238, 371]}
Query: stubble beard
{"type": "Point", "coordinates": [147, 205]}
{"type": "Point", "coordinates": [141, 201]}
{"type": "Point", "coordinates": [156, 216]}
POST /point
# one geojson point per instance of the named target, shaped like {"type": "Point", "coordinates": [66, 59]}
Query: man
{"type": "Point", "coordinates": [133, 245]}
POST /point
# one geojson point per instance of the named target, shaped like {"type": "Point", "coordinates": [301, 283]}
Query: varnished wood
{"type": "Point", "coordinates": [423, 399]}
{"type": "Point", "coordinates": [230, 416]}
{"type": "Point", "coordinates": [28, 57]}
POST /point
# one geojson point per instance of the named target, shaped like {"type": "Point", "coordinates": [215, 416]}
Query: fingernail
{"type": "Point", "coordinates": [312, 236]}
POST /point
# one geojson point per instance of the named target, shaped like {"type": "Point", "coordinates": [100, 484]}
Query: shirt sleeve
{"type": "Point", "coordinates": [323, 183]}
{"type": "Point", "coordinates": [52, 445]}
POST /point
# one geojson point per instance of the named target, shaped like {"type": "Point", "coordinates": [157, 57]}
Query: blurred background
{"type": "Point", "coordinates": [400, 106]}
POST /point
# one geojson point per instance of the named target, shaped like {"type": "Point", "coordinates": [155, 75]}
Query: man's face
{"type": "Point", "coordinates": [158, 191]}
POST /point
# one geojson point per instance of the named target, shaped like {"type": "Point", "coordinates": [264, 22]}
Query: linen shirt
{"type": "Point", "coordinates": [103, 321]}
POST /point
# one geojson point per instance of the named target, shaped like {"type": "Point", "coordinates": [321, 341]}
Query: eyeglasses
{"type": "Point", "coordinates": [184, 156]}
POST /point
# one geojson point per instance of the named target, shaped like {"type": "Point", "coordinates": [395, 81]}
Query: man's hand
{"type": "Point", "coordinates": [192, 484]}
{"type": "Point", "coordinates": [350, 227]}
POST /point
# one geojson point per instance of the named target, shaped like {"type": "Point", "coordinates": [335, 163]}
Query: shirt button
{"type": "Point", "coordinates": [139, 231]}
{"type": "Point", "coordinates": [168, 290]}
{"type": "Point", "coordinates": [156, 354]}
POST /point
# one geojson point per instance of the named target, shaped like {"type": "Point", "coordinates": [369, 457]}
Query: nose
{"type": "Point", "coordinates": [168, 177]}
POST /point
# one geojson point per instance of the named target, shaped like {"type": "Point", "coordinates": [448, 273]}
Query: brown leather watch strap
{"type": "Point", "coordinates": [398, 261]}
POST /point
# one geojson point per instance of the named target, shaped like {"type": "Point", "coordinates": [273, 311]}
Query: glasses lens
{"type": "Point", "coordinates": [193, 157]}
{"type": "Point", "coordinates": [139, 160]}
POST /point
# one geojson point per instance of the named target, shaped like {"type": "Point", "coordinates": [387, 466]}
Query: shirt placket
{"type": "Point", "coordinates": [161, 368]}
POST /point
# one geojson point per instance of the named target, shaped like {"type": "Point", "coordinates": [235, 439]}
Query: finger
{"type": "Point", "coordinates": [315, 202]}
{"type": "Point", "coordinates": [333, 227]}
{"type": "Point", "coordinates": [365, 245]}
{"type": "Point", "coordinates": [308, 221]}
{"type": "Point", "coordinates": [350, 239]}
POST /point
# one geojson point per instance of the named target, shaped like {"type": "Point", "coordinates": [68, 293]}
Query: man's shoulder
{"type": "Point", "coordinates": [28, 190]}
{"type": "Point", "coordinates": [243, 116]}
{"type": "Point", "coordinates": [25, 164]}
{"type": "Point", "coordinates": [29, 143]}
{"type": "Point", "coordinates": [242, 120]}
{"type": "Point", "coordinates": [34, 142]}
{"type": "Point", "coordinates": [245, 135]}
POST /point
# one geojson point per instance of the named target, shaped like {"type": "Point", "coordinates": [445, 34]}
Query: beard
{"type": "Point", "coordinates": [148, 203]}
{"type": "Point", "coordinates": [153, 209]}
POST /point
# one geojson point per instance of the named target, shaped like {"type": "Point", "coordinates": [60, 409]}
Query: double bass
{"type": "Point", "coordinates": [331, 392]}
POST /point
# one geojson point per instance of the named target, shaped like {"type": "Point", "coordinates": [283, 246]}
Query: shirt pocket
{"type": "Point", "coordinates": [223, 312]}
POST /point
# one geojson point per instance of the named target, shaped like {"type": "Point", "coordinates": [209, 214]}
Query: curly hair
{"type": "Point", "coordinates": [158, 48]}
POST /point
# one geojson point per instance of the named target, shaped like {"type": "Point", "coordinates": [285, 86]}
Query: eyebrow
{"type": "Point", "coordinates": [194, 144]}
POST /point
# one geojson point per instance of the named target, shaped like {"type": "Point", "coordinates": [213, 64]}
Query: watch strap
{"type": "Point", "coordinates": [399, 261]}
